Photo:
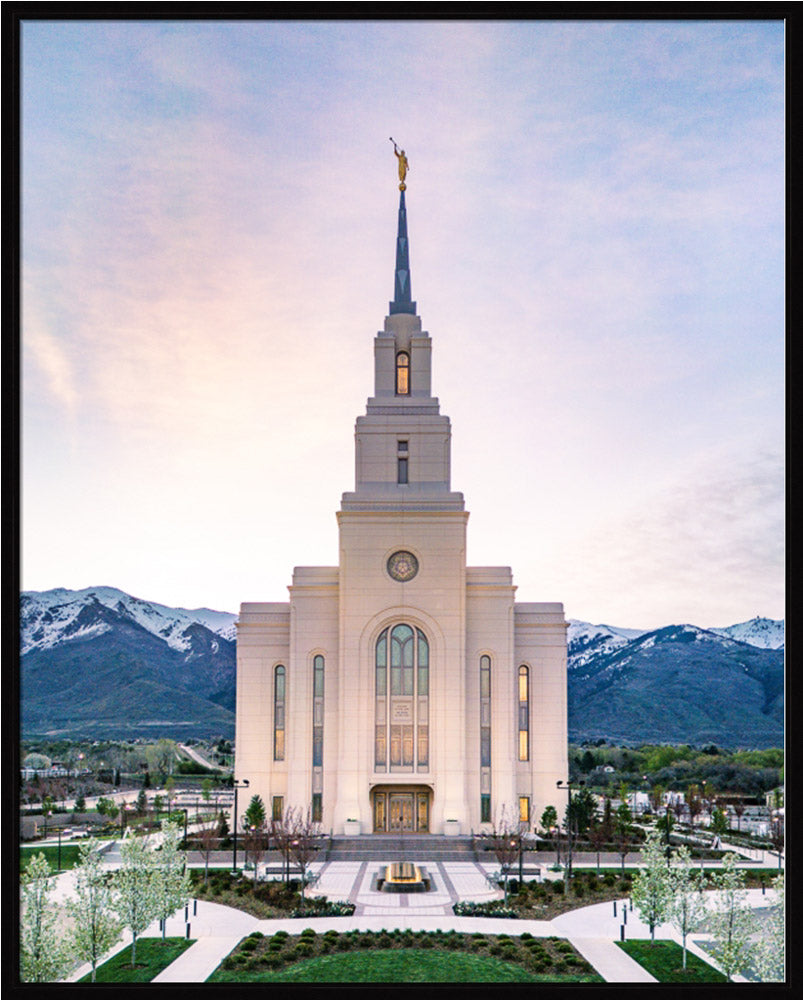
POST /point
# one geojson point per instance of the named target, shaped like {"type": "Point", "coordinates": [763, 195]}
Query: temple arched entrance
{"type": "Point", "coordinates": [401, 808]}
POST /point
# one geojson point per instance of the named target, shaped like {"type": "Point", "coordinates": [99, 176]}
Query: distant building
{"type": "Point", "coordinates": [403, 689]}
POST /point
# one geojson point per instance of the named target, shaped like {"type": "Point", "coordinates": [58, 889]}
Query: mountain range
{"type": "Point", "coordinates": [100, 663]}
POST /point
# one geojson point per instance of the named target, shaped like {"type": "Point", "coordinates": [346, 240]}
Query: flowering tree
{"type": "Point", "coordinates": [171, 878]}
{"type": "Point", "coordinates": [651, 886]}
{"type": "Point", "coordinates": [134, 890]}
{"type": "Point", "coordinates": [42, 957]}
{"type": "Point", "coordinates": [770, 951]}
{"type": "Point", "coordinates": [95, 927]}
{"type": "Point", "coordinates": [686, 902]}
{"type": "Point", "coordinates": [732, 922]}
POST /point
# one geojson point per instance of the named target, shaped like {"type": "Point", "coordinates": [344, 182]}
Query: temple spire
{"type": "Point", "coordinates": [402, 295]}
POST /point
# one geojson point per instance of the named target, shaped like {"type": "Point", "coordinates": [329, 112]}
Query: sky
{"type": "Point", "coordinates": [596, 220]}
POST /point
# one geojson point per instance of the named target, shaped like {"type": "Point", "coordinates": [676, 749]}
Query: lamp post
{"type": "Point", "coordinates": [668, 849]}
{"type": "Point", "coordinates": [237, 784]}
{"type": "Point", "coordinates": [569, 786]}
{"type": "Point", "coordinates": [58, 861]}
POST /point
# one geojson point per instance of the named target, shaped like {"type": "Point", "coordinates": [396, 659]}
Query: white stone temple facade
{"type": "Point", "coordinates": [403, 689]}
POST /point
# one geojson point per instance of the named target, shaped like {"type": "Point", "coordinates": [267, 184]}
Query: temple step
{"type": "Point", "coordinates": [390, 847]}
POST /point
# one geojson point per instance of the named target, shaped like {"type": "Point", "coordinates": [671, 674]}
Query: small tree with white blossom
{"type": "Point", "coordinates": [731, 923]}
{"type": "Point", "coordinates": [134, 890]}
{"type": "Point", "coordinates": [43, 959]}
{"type": "Point", "coordinates": [651, 887]}
{"type": "Point", "coordinates": [95, 927]}
{"type": "Point", "coordinates": [687, 907]}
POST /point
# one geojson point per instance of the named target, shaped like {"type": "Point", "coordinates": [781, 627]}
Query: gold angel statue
{"type": "Point", "coordinates": [404, 165]}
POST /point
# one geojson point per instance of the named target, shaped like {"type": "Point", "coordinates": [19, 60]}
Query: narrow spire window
{"type": "Point", "coordinates": [402, 374]}
{"type": "Point", "coordinates": [524, 713]}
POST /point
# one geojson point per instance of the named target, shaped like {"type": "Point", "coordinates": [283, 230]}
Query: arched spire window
{"type": "Point", "coordinates": [278, 712]}
{"type": "Point", "coordinates": [402, 374]}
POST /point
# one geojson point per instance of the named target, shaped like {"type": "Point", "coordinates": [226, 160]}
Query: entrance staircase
{"type": "Point", "coordinates": [392, 847]}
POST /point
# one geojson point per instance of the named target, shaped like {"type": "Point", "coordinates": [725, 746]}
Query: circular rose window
{"type": "Point", "coordinates": [402, 566]}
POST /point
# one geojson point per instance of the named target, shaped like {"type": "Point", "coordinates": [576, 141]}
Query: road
{"type": "Point", "coordinates": [201, 760]}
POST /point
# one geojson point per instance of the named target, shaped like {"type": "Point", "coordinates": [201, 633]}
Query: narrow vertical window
{"type": "Point", "coordinates": [485, 739]}
{"type": "Point", "coordinates": [317, 711]}
{"type": "Point", "coordinates": [401, 471]}
{"type": "Point", "coordinates": [278, 712]}
{"type": "Point", "coordinates": [485, 711]}
{"type": "Point", "coordinates": [524, 713]}
{"type": "Point", "coordinates": [485, 808]}
{"type": "Point", "coordinates": [402, 374]}
{"type": "Point", "coordinates": [317, 807]}
{"type": "Point", "coordinates": [524, 809]}
{"type": "Point", "coordinates": [277, 811]}
{"type": "Point", "coordinates": [380, 743]}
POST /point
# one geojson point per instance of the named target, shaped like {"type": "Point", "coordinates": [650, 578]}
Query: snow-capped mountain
{"type": "Point", "coordinates": [99, 661]}
{"type": "Point", "coordinates": [50, 617]}
{"type": "Point", "coordinates": [586, 641]}
{"type": "Point", "coordinates": [765, 633]}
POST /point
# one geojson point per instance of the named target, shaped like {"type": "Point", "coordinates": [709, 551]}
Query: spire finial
{"type": "Point", "coordinates": [404, 165]}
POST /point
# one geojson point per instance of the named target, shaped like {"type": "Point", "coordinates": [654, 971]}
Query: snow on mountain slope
{"type": "Point", "coordinates": [763, 632]}
{"type": "Point", "coordinates": [46, 617]}
{"type": "Point", "coordinates": [586, 640]}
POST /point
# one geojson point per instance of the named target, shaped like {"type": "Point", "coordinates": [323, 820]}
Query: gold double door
{"type": "Point", "coordinates": [397, 811]}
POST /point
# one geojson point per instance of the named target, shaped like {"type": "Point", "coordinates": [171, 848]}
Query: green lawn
{"type": "Point", "coordinates": [153, 955]}
{"type": "Point", "coordinates": [69, 855]}
{"type": "Point", "coordinates": [664, 960]}
{"type": "Point", "coordinates": [395, 966]}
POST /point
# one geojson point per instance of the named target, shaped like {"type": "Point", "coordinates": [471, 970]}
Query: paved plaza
{"type": "Point", "coordinates": [593, 930]}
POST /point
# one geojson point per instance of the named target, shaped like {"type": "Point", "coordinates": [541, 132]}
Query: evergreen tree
{"type": "Point", "coordinates": [254, 814]}
{"type": "Point", "coordinates": [549, 817]}
{"type": "Point", "coordinates": [687, 903]}
{"type": "Point", "coordinates": [651, 886]}
{"type": "Point", "coordinates": [95, 927]}
{"type": "Point", "coordinates": [134, 890]}
{"type": "Point", "coordinates": [732, 922]}
{"type": "Point", "coordinates": [43, 959]}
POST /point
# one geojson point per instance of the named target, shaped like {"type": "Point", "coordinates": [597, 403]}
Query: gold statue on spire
{"type": "Point", "coordinates": [404, 165]}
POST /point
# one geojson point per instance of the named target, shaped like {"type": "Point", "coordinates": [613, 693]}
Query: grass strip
{"type": "Point", "coordinates": [664, 961]}
{"type": "Point", "coordinates": [153, 955]}
{"type": "Point", "coordinates": [69, 855]}
{"type": "Point", "coordinates": [394, 966]}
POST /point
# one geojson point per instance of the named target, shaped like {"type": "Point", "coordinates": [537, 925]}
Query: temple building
{"type": "Point", "coordinates": [403, 689]}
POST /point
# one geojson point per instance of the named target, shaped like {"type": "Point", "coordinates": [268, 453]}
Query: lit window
{"type": "Point", "coordinates": [278, 808]}
{"type": "Point", "coordinates": [402, 700]}
{"type": "Point", "coordinates": [278, 713]}
{"type": "Point", "coordinates": [524, 809]}
{"type": "Point", "coordinates": [524, 713]}
{"type": "Point", "coordinates": [402, 374]}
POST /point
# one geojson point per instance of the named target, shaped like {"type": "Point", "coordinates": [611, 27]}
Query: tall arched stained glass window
{"type": "Point", "coordinates": [524, 713]}
{"type": "Point", "coordinates": [402, 700]}
{"type": "Point", "coordinates": [278, 712]}
{"type": "Point", "coordinates": [402, 374]}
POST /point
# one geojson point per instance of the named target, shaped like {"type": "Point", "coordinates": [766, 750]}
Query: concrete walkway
{"type": "Point", "coordinates": [592, 930]}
